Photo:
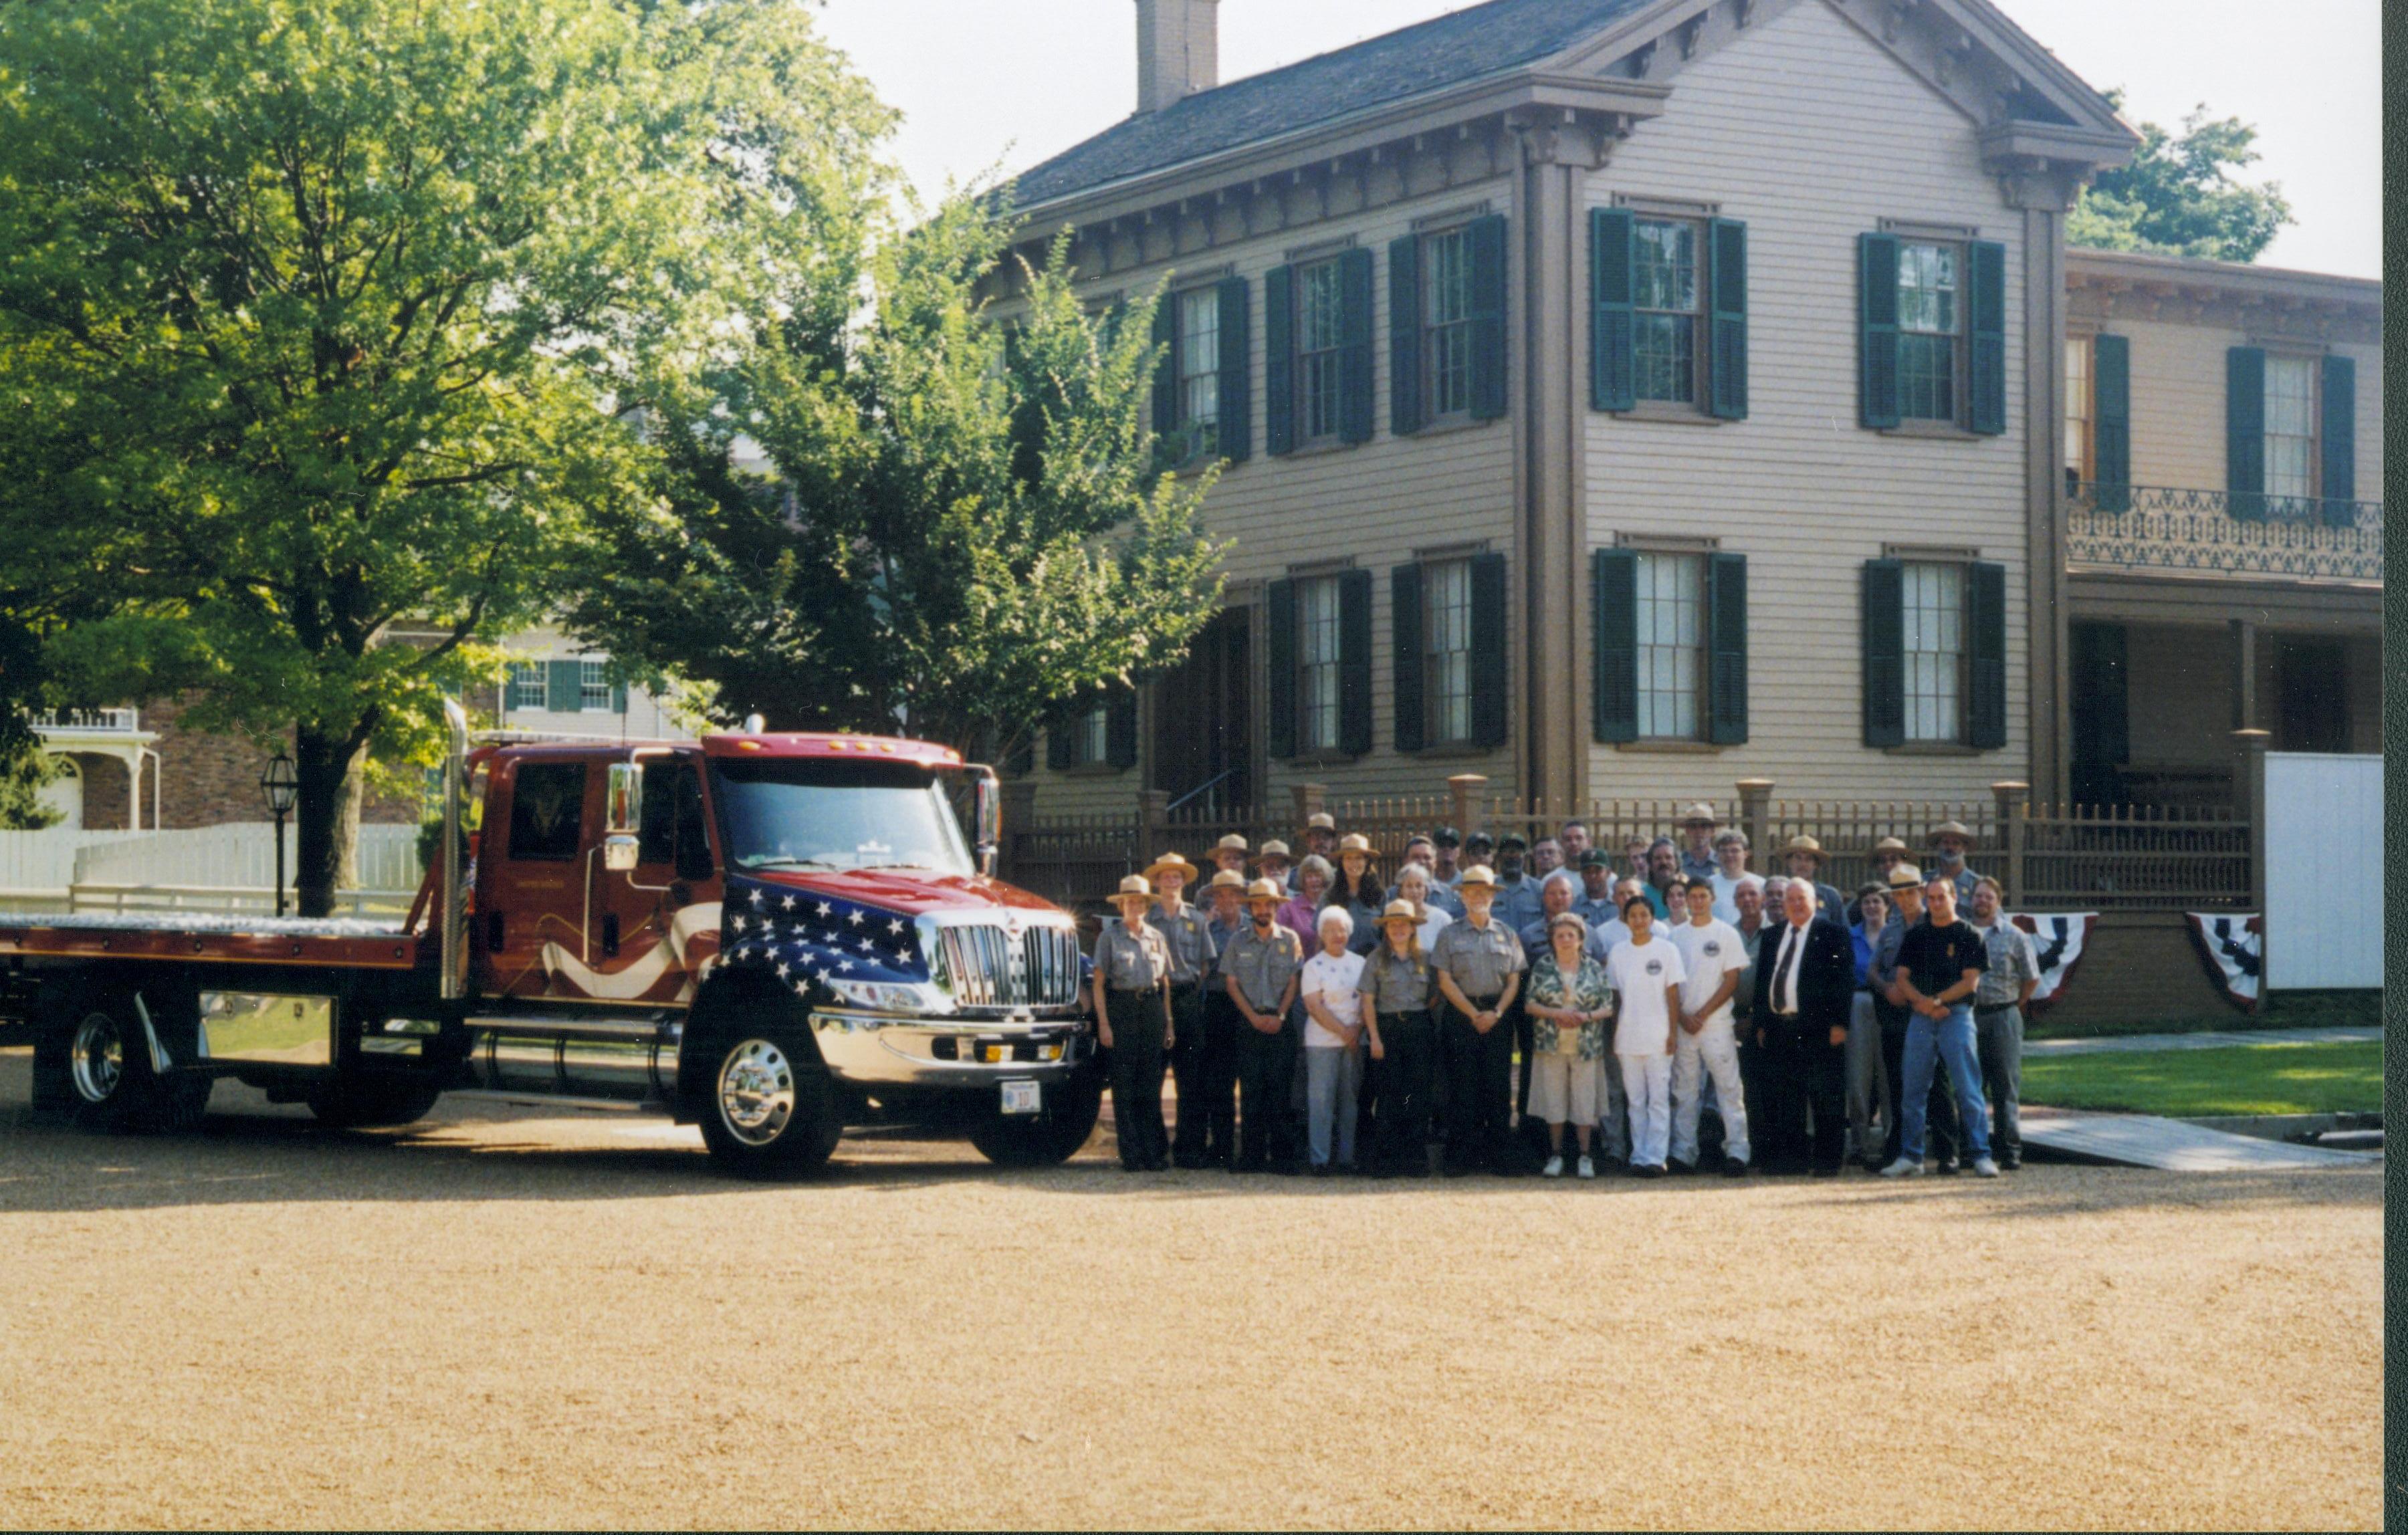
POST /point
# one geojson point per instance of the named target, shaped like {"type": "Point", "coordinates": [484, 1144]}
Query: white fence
{"type": "Point", "coordinates": [231, 866]}
{"type": "Point", "coordinates": [2324, 872]}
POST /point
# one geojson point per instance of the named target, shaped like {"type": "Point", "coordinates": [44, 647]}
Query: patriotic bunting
{"type": "Point", "coordinates": [2235, 949]}
{"type": "Point", "coordinates": [2058, 941]}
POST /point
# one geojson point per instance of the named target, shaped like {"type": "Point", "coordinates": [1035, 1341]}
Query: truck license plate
{"type": "Point", "coordinates": [1021, 1097]}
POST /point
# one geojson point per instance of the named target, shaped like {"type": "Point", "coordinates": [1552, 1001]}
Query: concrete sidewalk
{"type": "Point", "coordinates": [2214, 1039]}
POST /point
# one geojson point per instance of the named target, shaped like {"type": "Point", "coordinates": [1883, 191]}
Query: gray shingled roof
{"type": "Point", "coordinates": [1442, 52]}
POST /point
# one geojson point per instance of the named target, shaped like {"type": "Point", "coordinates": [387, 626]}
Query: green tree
{"type": "Point", "coordinates": [956, 527]}
{"type": "Point", "coordinates": [2178, 196]}
{"type": "Point", "coordinates": [321, 323]}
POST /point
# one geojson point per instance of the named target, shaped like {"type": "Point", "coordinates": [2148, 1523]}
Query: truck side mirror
{"type": "Point", "coordinates": [988, 801]}
{"type": "Point", "coordinates": [618, 852]}
{"type": "Point", "coordinates": [625, 806]}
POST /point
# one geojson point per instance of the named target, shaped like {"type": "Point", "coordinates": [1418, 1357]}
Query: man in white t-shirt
{"type": "Point", "coordinates": [1333, 1067]}
{"type": "Point", "coordinates": [1714, 955]}
{"type": "Point", "coordinates": [1646, 972]}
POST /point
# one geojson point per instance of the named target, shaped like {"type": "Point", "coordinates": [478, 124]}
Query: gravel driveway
{"type": "Point", "coordinates": [509, 1317]}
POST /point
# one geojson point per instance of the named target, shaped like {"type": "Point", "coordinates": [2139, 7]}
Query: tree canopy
{"type": "Point", "coordinates": [2178, 196]}
{"type": "Point", "coordinates": [324, 325]}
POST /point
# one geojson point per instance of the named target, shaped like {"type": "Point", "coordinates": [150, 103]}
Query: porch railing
{"type": "Point", "coordinates": [90, 722]}
{"type": "Point", "coordinates": [2155, 530]}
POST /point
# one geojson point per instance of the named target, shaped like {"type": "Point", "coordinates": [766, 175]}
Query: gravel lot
{"type": "Point", "coordinates": [510, 1317]}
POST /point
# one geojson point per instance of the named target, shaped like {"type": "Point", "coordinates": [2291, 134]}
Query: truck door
{"type": "Point", "coordinates": [532, 877]}
{"type": "Point", "coordinates": [659, 922]}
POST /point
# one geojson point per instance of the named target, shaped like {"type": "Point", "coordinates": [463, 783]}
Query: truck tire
{"type": "Point", "coordinates": [356, 1102]}
{"type": "Point", "coordinates": [109, 1081]}
{"type": "Point", "coordinates": [1050, 1139]}
{"type": "Point", "coordinates": [769, 1109]}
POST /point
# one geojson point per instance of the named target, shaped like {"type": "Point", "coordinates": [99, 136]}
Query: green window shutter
{"type": "Point", "coordinates": [1726, 355]}
{"type": "Point", "coordinates": [1022, 757]}
{"type": "Point", "coordinates": [1727, 649]}
{"type": "Point", "coordinates": [1613, 621]}
{"type": "Point", "coordinates": [1166, 372]}
{"type": "Point", "coordinates": [1486, 237]}
{"type": "Point", "coordinates": [1612, 340]}
{"type": "Point", "coordinates": [618, 697]}
{"type": "Point", "coordinates": [1237, 356]}
{"type": "Point", "coordinates": [2245, 432]}
{"type": "Point", "coordinates": [1355, 660]}
{"type": "Point", "coordinates": [1884, 642]}
{"type": "Point", "coordinates": [1279, 655]}
{"type": "Point", "coordinates": [1279, 363]}
{"type": "Point", "coordinates": [1988, 366]}
{"type": "Point", "coordinates": [1986, 628]}
{"type": "Point", "coordinates": [1120, 731]}
{"type": "Point", "coordinates": [1061, 746]}
{"type": "Point", "coordinates": [1877, 331]}
{"type": "Point", "coordinates": [2341, 442]}
{"type": "Point", "coordinates": [1405, 638]}
{"type": "Point", "coordinates": [1405, 336]}
{"type": "Point", "coordinates": [564, 686]}
{"type": "Point", "coordinates": [1490, 671]}
{"type": "Point", "coordinates": [2111, 421]}
{"type": "Point", "coordinates": [1354, 358]}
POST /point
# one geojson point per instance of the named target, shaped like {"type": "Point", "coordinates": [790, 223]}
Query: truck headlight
{"type": "Point", "coordinates": [892, 995]}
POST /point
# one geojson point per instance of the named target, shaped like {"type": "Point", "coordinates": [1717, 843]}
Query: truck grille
{"type": "Point", "coordinates": [990, 970]}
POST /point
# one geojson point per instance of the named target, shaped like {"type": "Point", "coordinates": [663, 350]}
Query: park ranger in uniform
{"type": "Point", "coordinates": [1185, 932]}
{"type": "Point", "coordinates": [1133, 1014]}
{"type": "Point", "coordinates": [1260, 969]}
{"type": "Point", "coordinates": [1477, 964]}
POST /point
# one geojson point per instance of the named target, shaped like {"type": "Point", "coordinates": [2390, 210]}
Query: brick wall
{"type": "Point", "coordinates": [207, 779]}
{"type": "Point", "coordinates": [2138, 967]}
{"type": "Point", "coordinates": [104, 792]}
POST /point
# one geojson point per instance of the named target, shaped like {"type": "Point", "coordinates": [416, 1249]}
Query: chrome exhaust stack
{"type": "Point", "coordinates": [452, 911]}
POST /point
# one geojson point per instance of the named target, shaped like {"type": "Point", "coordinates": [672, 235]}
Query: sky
{"type": "Point", "coordinates": [985, 85]}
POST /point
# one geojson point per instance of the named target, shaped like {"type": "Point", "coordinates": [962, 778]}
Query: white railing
{"type": "Point", "coordinates": [225, 899]}
{"type": "Point", "coordinates": [89, 721]}
{"type": "Point", "coordinates": [225, 867]}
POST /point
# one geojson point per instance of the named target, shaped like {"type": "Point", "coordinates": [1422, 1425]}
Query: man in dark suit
{"type": "Point", "coordinates": [1805, 982]}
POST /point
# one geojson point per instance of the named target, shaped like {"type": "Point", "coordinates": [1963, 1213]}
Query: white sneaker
{"type": "Point", "coordinates": [1587, 1168]}
{"type": "Point", "coordinates": [1554, 1168]}
{"type": "Point", "coordinates": [1902, 1169]}
{"type": "Point", "coordinates": [1984, 1167]}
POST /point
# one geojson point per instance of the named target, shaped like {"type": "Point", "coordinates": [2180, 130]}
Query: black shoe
{"type": "Point", "coordinates": [1321, 1169]}
{"type": "Point", "coordinates": [1243, 1169]}
{"type": "Point", "coordinates": [1645, 1170]}
{"type": "Point", "coordinates": [1948, 1168]}
{"type": "Point", "coordinates": [1733, 1168]}
{"type": "Point", "coordinates": [1160, 1164]}
{"type": "Point", "coordinates": [1680, 1169]}
{"type": "Point", "coordinates": [1827, 1172]}
{"type": "Point", "coordinates": [1132, 1167]}
{"type": "Point", "coordinates": [2010, 1162]}
{"type": "Point", "coordinates": [1186, 1163]}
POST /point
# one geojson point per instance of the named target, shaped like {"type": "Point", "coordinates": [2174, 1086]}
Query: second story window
{"type": "Point", "coordinates": [1320, 340]}
{"type": "Point", "coordinates": [2077, 413]}
{"type": "Point", "coordinates": [593, 687]}
{"type": "Point", "coordinates": [1934, 615]}
{"type": "Point", "coordinates": [1667, 296]}
{"type": "Point", "coordinates": [1198, 364]}
{"type": "Point", "coordinates": [1671, 645]}
{"type": "Point", "coordinates": [1317, 653]}
{"type": "Point", "coordinates": [1446, 652]}
{"type": "Point", "coordinates": [1446, 323]}
{"type": "Point", "coordinates": [2290, 427]}
{"type": "Point", "coordinates": [1930, 323]}
{"type": "Point", "coordinates": [1093, 734]}
{"type": "Point", "coordinates": [526, 685]}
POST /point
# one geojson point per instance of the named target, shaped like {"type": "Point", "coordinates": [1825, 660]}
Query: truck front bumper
{"type": "Point", "coordinates": [882, 1050]}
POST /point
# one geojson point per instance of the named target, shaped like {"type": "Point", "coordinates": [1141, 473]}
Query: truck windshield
{"type": "Point", "coordinates": [795, 812]}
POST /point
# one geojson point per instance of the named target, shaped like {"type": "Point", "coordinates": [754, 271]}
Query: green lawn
{"type": "Point", "coordinates": [2268, 1079]}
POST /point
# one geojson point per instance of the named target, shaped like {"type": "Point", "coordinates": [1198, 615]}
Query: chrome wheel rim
{"type": "Point", "coordinates": [756, 1092]}
{"type": "Point", "coordinates": [98, 1058]}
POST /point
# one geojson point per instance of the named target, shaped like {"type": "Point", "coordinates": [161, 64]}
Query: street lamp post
{"type": "Point", "coordinates": [282, 785]}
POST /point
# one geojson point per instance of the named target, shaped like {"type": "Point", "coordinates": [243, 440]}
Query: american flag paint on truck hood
{"type": "Point", "coordinates": [798, 935]}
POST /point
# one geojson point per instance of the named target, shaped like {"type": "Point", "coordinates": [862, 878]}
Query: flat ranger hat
{"type": "Point", "coordinates": [1905, 877]}
{"type": "Point", "coordinates": [1354, 841]}
{"type": "Point", "coordinates": [1891, 844]}
{"type": "Point", "coordinates": [1478, 877]}
{"type": "Point", "coordinates": [1228, 879]}
{"type": "Point", "coordinates": [1803, 844]}
{"type": "Point", "coordinates": [1952, 828]}
{"type": "Point", "coordinates": [1320, 821]}
{"type": "Point", "coordinates": [1266, 890]}
{"type": "Point", "coordinates": [1170, 861]}
{"type": "Point", "coordinates": [1231, 843]}
{"type": "Point", "coordinates": [1273, 849]}
{"type": "Point", "coordinates": [1134, 888]}
{"type": "Point", "coordinates": [1701, 813]}
{"type": "Point", "coordinates": [1400, 911]}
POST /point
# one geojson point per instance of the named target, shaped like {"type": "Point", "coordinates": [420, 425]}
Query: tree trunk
{"type": "Point", "coordinates": [326, 814]}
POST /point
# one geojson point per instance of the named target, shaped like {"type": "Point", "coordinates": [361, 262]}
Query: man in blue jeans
{"type": "Point", "coordinates": [1940, 966]}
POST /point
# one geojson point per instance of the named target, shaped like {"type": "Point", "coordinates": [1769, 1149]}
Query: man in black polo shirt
{"type": "Point", "coordinates": [1940, 966]}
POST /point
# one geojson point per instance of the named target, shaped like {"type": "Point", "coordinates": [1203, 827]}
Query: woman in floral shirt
{"type": "Point", "coordinates": [1570, 1002]}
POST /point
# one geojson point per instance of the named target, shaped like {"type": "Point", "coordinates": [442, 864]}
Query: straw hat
{"type": "Point", "coordinates": [1354, 841]}
{"type": "Point", "coordinates": [1272, 849]}
{"type": "Point", "coordinates": [1134, 888]}
{"type": "Point", "coordinates": [1953, 828]}
{"type": "Point", "coordinates": [1696, 813]}
{"type": "Point", "coordinates": [1478, 877]}
{"type": "Point", "coordinates": [1905, 877]}
{"type": "Point", "coordinates": [1320, 821]}
{"type": "Point", "coordinates": [1169, 861]}
{"type": "Point", "coordinates": [1266, 890]}
{"type": "Point", "coordinates": [1228, 879]}
{"type": "Point", "coordinates": [1231, 843]}
{"type": "Point", "coordinates": [1400, 911]}
{"type": "Point", "coordinates": [1891, 844]}
{"type": "Point", "coordinates": [1802, 843]}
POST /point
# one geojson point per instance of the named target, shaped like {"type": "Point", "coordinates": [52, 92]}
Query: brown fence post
{"type": "Point", "coordinates": [2249, 803]}
{"type": "Point", "coordinates": [1310, 800]}
{"type": "Point", "coordinates": [1469, 809]}
{"type": "Point", "coordinates": [2013, 798]}
{"type": "Point", "coordinates": [1756, 819]}
{"type": "Point", "coordinates": [1154, 824]}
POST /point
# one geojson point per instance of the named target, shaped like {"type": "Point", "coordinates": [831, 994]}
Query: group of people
{"type": "Point", "coordinates": [1671, 1011]}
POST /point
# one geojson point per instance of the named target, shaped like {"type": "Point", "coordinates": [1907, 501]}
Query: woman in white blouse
{"type": "Point", "coordinates": [1413, 885]}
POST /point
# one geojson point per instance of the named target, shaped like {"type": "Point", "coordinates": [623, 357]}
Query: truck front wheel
{"type": "Point", "coordinates": [1048, 1138]}
{"type": "Point", "coordinates": [770, 1110]}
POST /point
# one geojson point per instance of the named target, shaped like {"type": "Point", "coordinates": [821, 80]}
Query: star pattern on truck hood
{"type": "Point", "coordinates": [802, 942]}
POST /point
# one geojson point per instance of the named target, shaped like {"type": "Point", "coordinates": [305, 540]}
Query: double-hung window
{"type": "Point", "coordinates": [1933, 614]}
{"type": "Point", "coordinates": [2290, 430]}
{"type": "Point", "coordinates": [1667, 297]}
{"type": "Point", "coordinates": [593, 687]}
{"type": "Point", "coordinates": [1318, 655]}
{"type": "Point", "coordinates": [1446, 652]}
{"type": "Point", "coordinates": [1320, 341]}
{"type": "Point", "coordinates": [1092, 733]}
{"type": "Point", "coordinates": [1446, 324]}
{"type": "Point", "coordinates": [1671, 631]}
{"type": "Point", "coordinates": [1197, 362]}
{"type": "Point", "coordinates": [2078, 411]}
{"type": "Point", "coordinates": [1930, 329]}
{"type": "Point", "coordinates": [526, 687]}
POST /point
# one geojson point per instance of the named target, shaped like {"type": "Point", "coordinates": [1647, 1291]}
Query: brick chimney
{"type": "Point", "coordinates": [1178, 50]}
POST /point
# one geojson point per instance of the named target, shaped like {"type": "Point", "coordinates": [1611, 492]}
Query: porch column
{"type": "Point", "coordinates": [2245, 675]}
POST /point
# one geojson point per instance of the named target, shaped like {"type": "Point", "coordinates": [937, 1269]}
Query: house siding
{"type": "Point", "coordinates": [2177, 390]}
{"type": "Point", "coordinates": [1812, 134]}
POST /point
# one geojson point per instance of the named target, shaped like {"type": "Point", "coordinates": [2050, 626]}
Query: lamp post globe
{"type": "Point", "coordinates": [282, 786]}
